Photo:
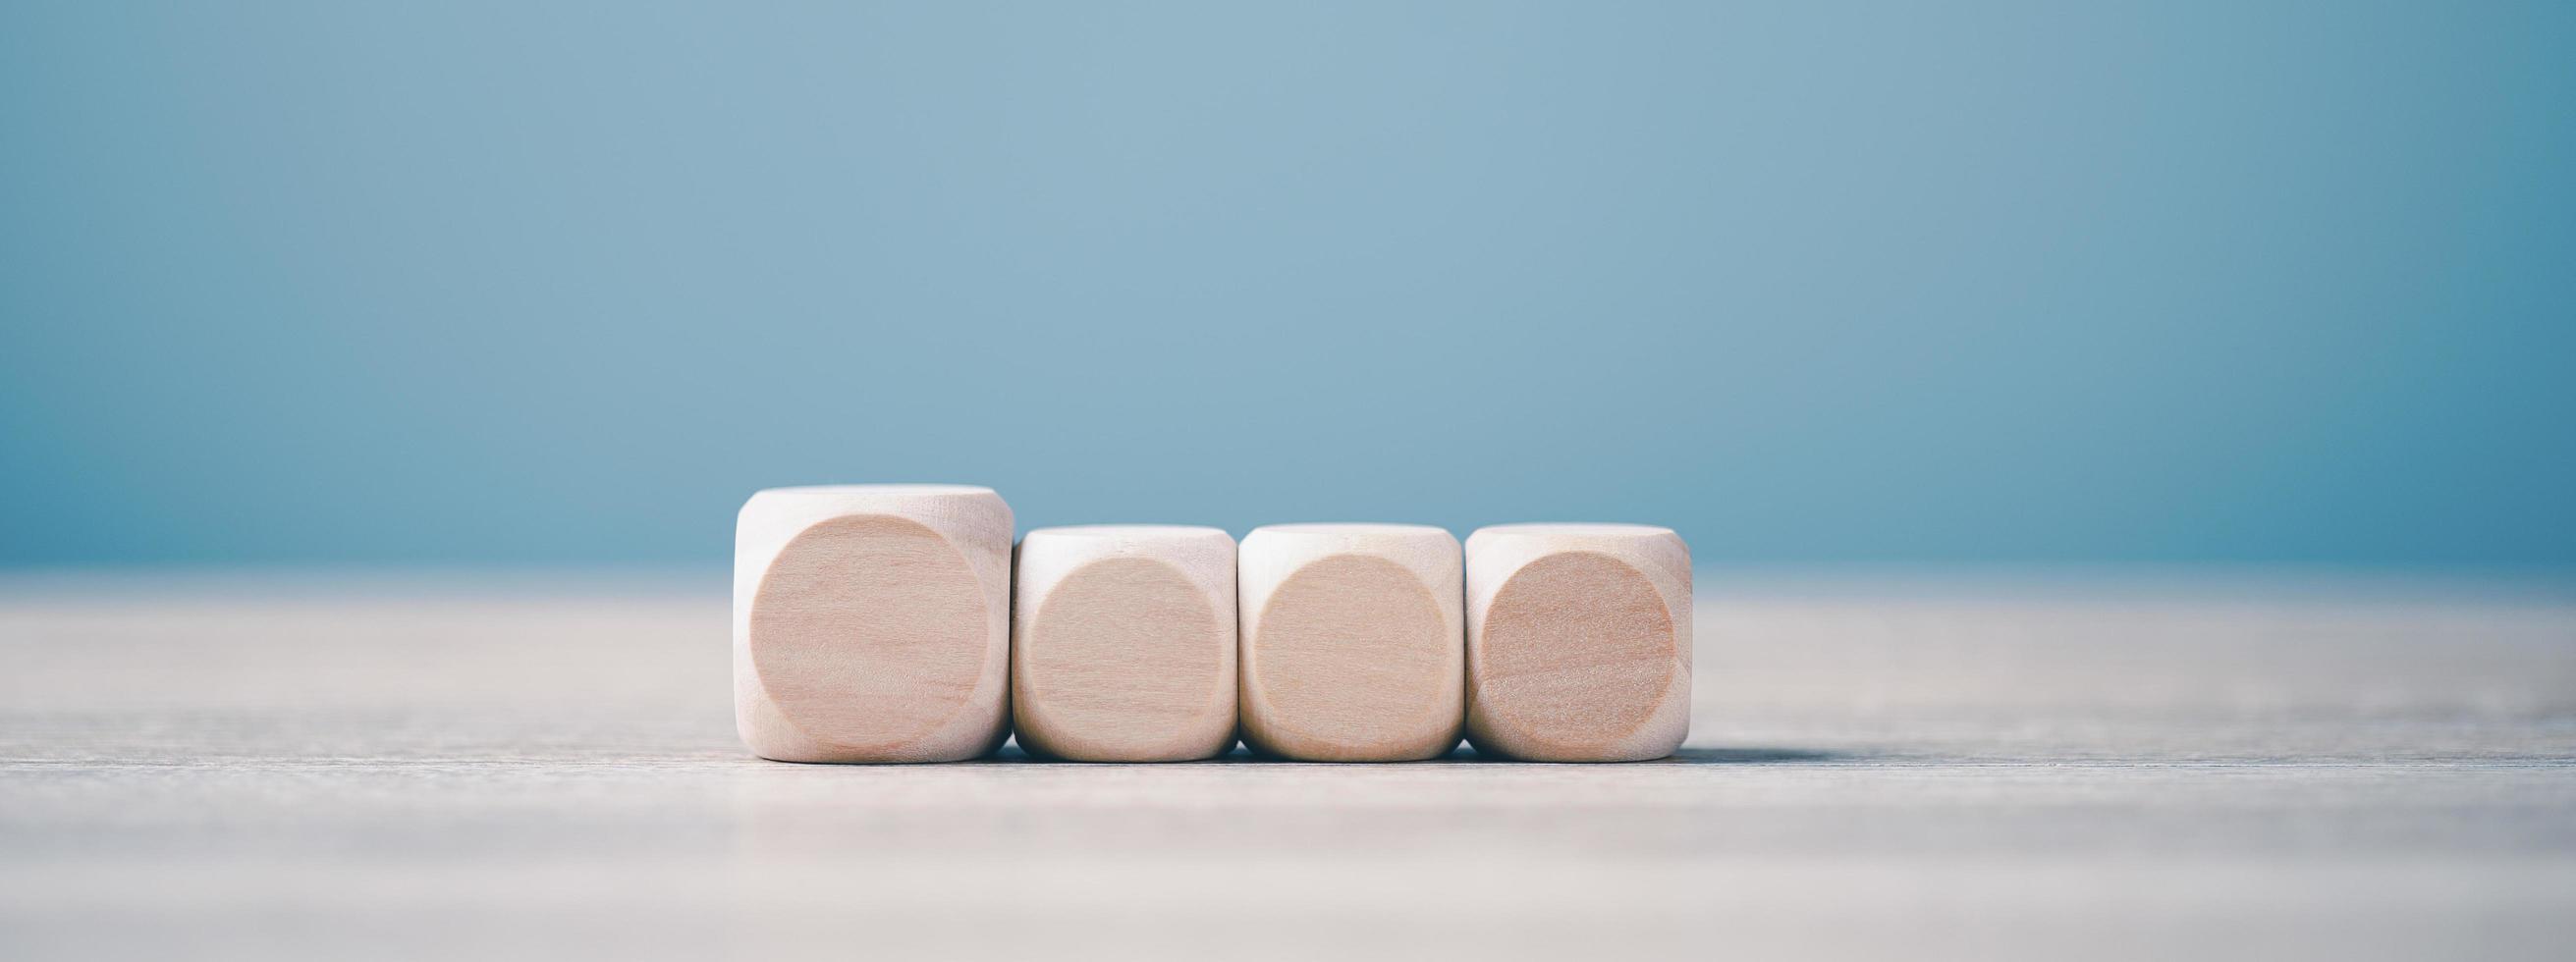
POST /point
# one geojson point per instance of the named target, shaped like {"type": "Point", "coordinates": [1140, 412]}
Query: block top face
{"type": "Point", "coordinates": [1499, 551]}
{"type": "Point", "coordinates": [1584, 529]}
{"type": "Point", "coordinates": [1510, 545]}
{"type": "Point", "coordinates": [771, 515]}
{"type": "Point", "coordinates": [1272, 551]}
{"type": "Point", "coordinates": [1196, 554]}
{"type": "Point", "coordinates": [1338, 529]}
{"type": "Point", "coordinates": [1136, 534]}
{"type": "Point", "coordinates": [877, 489]}
{"type": "Point", "coordinates": [869, 494]}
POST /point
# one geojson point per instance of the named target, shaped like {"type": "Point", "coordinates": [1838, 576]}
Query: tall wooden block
{"type": "Point", "coordinates": [1578, 642]}
{"type": "Point", "coordinates": [872, 623]}
{"type": "Point", "coordinates": [1122, 643]}
{"type": "Point", "coordinates": [1353, 643]}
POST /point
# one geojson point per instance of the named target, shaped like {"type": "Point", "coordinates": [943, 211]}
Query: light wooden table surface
{"type": "Point", "coordinates": [244, 767]}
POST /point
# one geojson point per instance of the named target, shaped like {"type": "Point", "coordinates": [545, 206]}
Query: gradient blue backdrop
{"type": "Point", "coordinates": [559, 282]}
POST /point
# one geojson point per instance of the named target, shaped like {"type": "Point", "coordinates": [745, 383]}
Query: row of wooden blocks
{"type": "Point", "coordinates": [896, 623]}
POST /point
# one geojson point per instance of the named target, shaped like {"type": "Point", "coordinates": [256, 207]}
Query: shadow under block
{"type": "Point", "coordinates": [871, 623]}
{"type": "Point", "coordinates": [1353, 642]}
{"type": "Point", "coordinates": [1578, 642]}
{"type": "Point", "coordinates": [1122, 643]}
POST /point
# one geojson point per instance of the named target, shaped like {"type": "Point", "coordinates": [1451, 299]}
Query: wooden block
{"type": "Point", "coordinates": [871, 623]}
{"type": "Point", "coordinates": [1122, 643]}
{"type": "Point", "coordinates": [1353, 643]}
{"type": "Point", "coordinates": [1578, 642]}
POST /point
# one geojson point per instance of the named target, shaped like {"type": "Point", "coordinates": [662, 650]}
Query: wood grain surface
{"type": "Point", "coordinates": [1354, 644]}
{"type": "Point", "coordinates": [245, 767]}
{"type": "Point", "coordinates": [872, 623]}
{"type": "Point", "coordinates": [1578, 642]}
{"type": "Point", "coordinates": [1122, 643]}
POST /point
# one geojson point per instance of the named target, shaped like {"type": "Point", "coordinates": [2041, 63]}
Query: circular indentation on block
{"type": "Point", "coordinates": [1578, 650]}
{"type": "Point", "coordinates": [869, 631]}
{"type": "Point", "coordinates": [1353, 651]}
{"type": "Point", "coordinates": [1125, 651]}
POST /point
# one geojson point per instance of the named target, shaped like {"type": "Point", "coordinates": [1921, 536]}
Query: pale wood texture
{"type": "Point", "coordinates": [1578, 642]}
{"type": "Point", "coordinates": [1353, 642]}
{"type": "Point", "coordinates": [872, 623]}
{"type": "Point", "coordinates": [523, 766]}
{"type": "Point", "coordinates": [1123, 644]}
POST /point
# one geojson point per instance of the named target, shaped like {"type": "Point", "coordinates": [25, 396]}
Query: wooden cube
{"type": "Point", "coordinates": [1578, 642]}
{"type": "Point", "coordinates": [1122, 643]}
{"type": "Point", "coordinates": [1353, 642]}
{"type": "Point", "coordinates": [872, 623]}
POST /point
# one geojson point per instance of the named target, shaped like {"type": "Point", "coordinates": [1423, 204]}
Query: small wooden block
{"type": "Point", "coordinates": [1122, 643]}
{"type": "Point", "coordinates": [1353, 642]}
{"type": "Point", "coordinates": [872, 623]}
{"type": "Point", "coordinates": [1578, 642]}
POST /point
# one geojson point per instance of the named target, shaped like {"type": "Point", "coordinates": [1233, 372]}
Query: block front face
{"type": "Point", "coordinates": [1352, 648]}
{"type": "Point", "coordinates": [1578, 652]}
{"type": "Point", "coordinates": [1353, 642]}
{"type": "Point", "coordinates": [1578, 642]}
{"type": "Point", "coordinates": [868, 632]}
{"type": "Point", "coordinates": [1123, 644]}
{"type": "Point", "coordinates": [872, 623]}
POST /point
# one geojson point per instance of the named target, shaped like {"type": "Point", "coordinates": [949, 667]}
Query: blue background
{"type": "Point", "coordinates": [482, 282]}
